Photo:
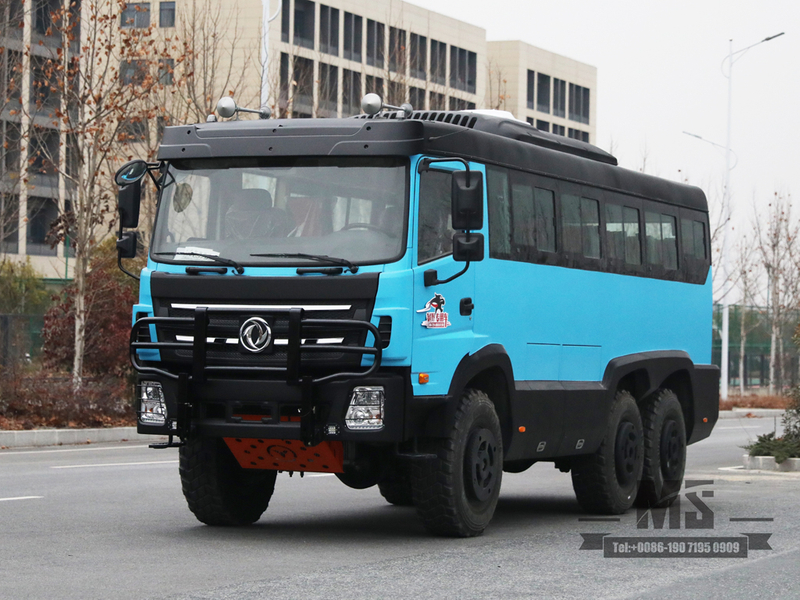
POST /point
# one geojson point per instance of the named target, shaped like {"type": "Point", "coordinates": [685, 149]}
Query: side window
{"type": "Point", "coordinates": [669, 241]}
{"type": "Point", "coordinates": [545, 220]}
{"type": "Point", "coordinates": [499, 213]}
{"type": "Point", "coordinates": [590, 227]}
{"type": "Point", "coordinates": [699, 240]}
{"type": "Point", "coordinates": [523, 220]}
{"type": "Point", "coordinates": [581, 225]}
{"type": "Point", "coordinates": [693, 239]}
{"type": "Point", "coordinates": [652, 228]}
{"type": "Point", "coordinates": [633, 247]}
{"type": "Point", "coordinates": [435, 233]}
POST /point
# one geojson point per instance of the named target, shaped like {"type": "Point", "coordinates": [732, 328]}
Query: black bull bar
{"type": "Point", "coordinates": [299, 327]}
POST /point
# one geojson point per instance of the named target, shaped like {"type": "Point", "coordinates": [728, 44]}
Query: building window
{"type": "Point", "coordinates": [351, 92]}
{"type": "Point", "coordinates": [353, 32]}
{"type": "Point", "coordinates": [578, 103]}
{"type": "Point", "coordinates": [10, 146]}
{"type": "Point", "coordinates": [166, 14]}
{"type": "Point", "coordinates": [531, 97]}
{"type": "Point", "coordinates": [543, 97]}
{"type": "Point", "coordinates": [304, 23]}
{"type": "Point", "coordinates": [132, 71]}
{"type": "Point", "coordinates": [559, 97]}
{"type": "Point", "coordinates": [542, 125]}
{"type": "Point", "coordinates": [460, 104]}
{"type": "Point", "coordinates": [374, 85]}
{"type": "Point", "coordinates": [397, 50]}
{"type": "Point", "coordinates": [375, 33]}
{"type": "Point", "coordinates": [416, 96]}
{"type": "Point", "coordinates": [9, 223]}
{"type": "Point", "coordinates": [41, 214]}
{"type": "Point", "coordinates": [328, 30]}
{"type": "Point", "coordinates": [132, 131]}
{"type": "Point", "coordinates": [283, 90]}
{"type": "Point", "coordinates": [303, 92]}
{"type": "Point", "coordinates": [166, 71]}
{"type": "Point", "coordinates": [438, 63]}
{"type": "Point", "coordinates": [559, 129]}
{"type": "Point", "coordinates": [396, 94]}
{"type": "Point", "coordinates": [463, 69]}
{"type": "Point", "coordinates": [328, 90]}
{"type": "Point", "coordinates": [437, 101]}
{"type": "Point", "coordinates": [43, 151]}
{"type": "Point", "coordinates": [419, 56]}
{"type": "Point", "coordinates": [136, 15]}
{"type": "Point", "coordinates": [42, 75]}
{"type": "Point", "coordinates": [286, 13]}
{"type": "Point", "coordinates": [529, 120]}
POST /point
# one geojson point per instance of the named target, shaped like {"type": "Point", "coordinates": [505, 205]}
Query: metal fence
{"type": "Point", "coordinates": [20, 338]}
{"type": "Point", "coordinates": [758, 332]}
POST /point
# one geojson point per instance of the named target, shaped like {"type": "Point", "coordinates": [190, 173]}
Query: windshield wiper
{"type": "Point", "coordinates": [331, 260]}
{"type": "Point", "coordinates": [217, 259]}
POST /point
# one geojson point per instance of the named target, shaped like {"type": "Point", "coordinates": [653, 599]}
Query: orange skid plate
{"type": "Point", "coordinates": [287, 455]}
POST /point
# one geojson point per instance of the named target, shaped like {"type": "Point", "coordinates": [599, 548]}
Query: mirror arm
{"type": "Point", "coordinates": [431, 277]}
{"type": "Point", "coordinates": [425, 164]}
{"type": "Point", "coordinates": [124, 270]}
{"type": "Point", "coordinates": [154, 167]}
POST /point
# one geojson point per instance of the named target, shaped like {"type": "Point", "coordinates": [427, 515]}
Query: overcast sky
{"type": "Point", "coordinates": [659, 74]}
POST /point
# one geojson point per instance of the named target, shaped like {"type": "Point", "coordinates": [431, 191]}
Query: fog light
{"type": "Point", "coordinates": [152, 407]}
{"type": "Point", "coordinates": [366, 408]}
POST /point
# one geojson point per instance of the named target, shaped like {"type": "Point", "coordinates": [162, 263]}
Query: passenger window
{"type": "Point", "coordinates": [571, 222]}
{"type": "Point", "coordinates": [693, 239]}
{"type": "Point", "coordinates": [499, 213]}
{"type": "Point", "coordinates": [699, 240]}
{"type": "Point", "coordinates": [545, 220]}
{"type": "Point", "coordinates": [652, 228]}
{"type": "Point", "coordinates": [633, 246]}
{"type": "Point", "coordinates": [435, 231]}
{"type": "Point", "coordinates": [590, 225]}
{"type": "Point", "coordinates": [622, 234]}
{"type": "Point", "coordinates": [662, 240]}
{"type": "Point", "coordinates": [581, 225]}
{"type": "Point", "coordinates": [669, 241]}
{"type": "Point", "coordinates": [524, 218]}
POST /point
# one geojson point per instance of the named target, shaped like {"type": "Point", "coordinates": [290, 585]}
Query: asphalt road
{"type": "Point", "coordinates": [109, 521]}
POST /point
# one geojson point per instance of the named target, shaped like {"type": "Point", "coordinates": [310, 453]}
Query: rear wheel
{"type": "Point", "coordinates": [607, 481]}
{"type": "Point", "coordinates": [217, 489]}
{"type": "Point", "coordinates": [664, 450]}
{"type": "Point", "coordinates": [456, 493]}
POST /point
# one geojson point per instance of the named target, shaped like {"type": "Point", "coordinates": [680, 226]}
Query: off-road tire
{"type": "Point", "coordinates": [217, 489]}
{"type": "Point", "coordinates": [664, 450]}
{"type": "Point", "coordinates": [607, 481]}
{"type": "Point", "coordinates": [396, 485]}
{"type": "Point", "coordinates": [456, 493]}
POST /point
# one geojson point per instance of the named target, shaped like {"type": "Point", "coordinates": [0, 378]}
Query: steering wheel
{"type": "Point", "coordinates": [365, 226]}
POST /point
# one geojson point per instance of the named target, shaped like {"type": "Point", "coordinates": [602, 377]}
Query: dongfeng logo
{"type": "Point", "coordinates": [255, 334]}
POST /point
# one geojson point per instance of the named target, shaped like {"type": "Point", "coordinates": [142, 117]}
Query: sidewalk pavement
{"type": "Point", "coordinates": [65, 437]}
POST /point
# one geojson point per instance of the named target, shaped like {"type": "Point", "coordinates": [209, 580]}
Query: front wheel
{"type": "Point", "coordinates": [217, 489]}
{"type": "Point", "coordinates": [607, 481]}
{"type": "Point", "coordinates": [456, 493]}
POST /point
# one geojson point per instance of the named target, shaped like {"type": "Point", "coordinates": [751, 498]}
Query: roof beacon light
{"type": "Point", "coordinates": [372, 105]}
{"type": "Point", "coordinates": [227, 108]}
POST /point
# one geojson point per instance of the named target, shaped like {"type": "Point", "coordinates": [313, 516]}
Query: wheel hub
{"type": "Point", "coordinates": [672, 450]}
{"type": "Point", "coordinates": [481, 465]}
{"type": "Point", "coordinates": [626, 453]}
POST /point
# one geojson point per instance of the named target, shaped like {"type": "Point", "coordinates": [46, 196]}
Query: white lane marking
{"type": "Point", "coordinates": [737, 468]}
{"type": "Point", "coordinates": [128, 464]}
{"type": "Point", "coordinates": [21, 498]}
{"type": "Point", "coordinates": [739, 427]}
{"type": "Point", "coordinates": [319, 474]}
{"type": "Point", "coordinates": [12, 453]}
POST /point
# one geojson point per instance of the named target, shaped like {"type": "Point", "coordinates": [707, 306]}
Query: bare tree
{"type": "Point", "coordinates": [776, 234]}
{"type": "Point", "coordinates": [747, 269]}
{"type": "Point", "coordinates": [497, 94]}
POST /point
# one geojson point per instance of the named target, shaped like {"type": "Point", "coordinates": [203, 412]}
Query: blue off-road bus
{"type": "Point", "coordinates": [421, 301]}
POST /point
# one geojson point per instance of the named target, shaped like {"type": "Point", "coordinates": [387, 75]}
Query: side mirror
{"type": "Point", "coordinates": [129, 198]}
{"type": "Point", "coordinates": [128, 244]}
{"type": "Point", "coordinates": [467, 200]}
{"type": "Point", "coordinates": [131, 172]}
{"type": "Point", "coordinates": [468, 247]}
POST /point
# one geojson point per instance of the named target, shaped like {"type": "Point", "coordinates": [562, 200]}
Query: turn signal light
{"type": "Point", "coordinates": [424, 378]}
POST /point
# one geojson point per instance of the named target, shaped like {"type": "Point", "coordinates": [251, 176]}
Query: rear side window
{"type": "Point", "coordinates": [662, 240]}
{"type": "Point", "coordinates": [622, 234]}
{"type": "Point", "coordinates": [693, 239]}
{"type": "Point", "coordinates": [581, 225]}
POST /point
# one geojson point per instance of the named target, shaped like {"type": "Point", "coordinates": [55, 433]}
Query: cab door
{"type": "Point", "coordinates": [443, 321]}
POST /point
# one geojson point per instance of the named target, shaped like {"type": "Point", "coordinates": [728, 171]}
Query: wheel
{"type": "Point", "coordinates": [395, 487]}
{"type": "Point", "coordinates": [606, 482]}
{"type": "Point", "coordinates": [217, 489]}
{"type": "Point", "coordinates": [456, 493]}
{"type": "Point", "coordinates": [664, 450]}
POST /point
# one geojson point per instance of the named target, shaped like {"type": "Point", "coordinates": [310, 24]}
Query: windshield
{"type": "Point", "coordinates": [344, 208]}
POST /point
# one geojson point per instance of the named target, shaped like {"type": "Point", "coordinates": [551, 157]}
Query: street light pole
{"type": "Point", "coordinates": [726, 199]}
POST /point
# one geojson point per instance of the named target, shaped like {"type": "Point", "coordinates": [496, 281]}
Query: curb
{"type": "Point", "coordinates": [750, 413]}
{"type": "Point", "coordinates": [64, 437]}
{"type": "Point", "coordinates": [767, 463]}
